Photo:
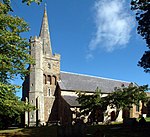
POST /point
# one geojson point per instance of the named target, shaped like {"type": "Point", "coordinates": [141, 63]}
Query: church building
{"type": "Point", "coordinates": [52, 91]}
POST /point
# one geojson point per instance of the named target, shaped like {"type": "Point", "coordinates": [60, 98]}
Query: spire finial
{"type": "Point", "coordinates": [45, 5]}
{"type": "Point", "coordinates": [45, 11]}
{"type": "Point", "coordinates": [44, 34]}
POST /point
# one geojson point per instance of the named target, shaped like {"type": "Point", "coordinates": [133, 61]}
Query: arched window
{"type": "Point", "coordinates": [54, 80]}
{"type": "Point", "coordinates": [49, 79]}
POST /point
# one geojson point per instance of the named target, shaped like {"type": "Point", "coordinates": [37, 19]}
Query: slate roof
{"type": "Point", "coordinates": [71, 81]}
{"type": "Point", "coordinates": [71, 100]}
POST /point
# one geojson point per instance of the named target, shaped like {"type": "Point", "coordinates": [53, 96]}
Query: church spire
{"type": "Point", "coordinates": [45, 35]}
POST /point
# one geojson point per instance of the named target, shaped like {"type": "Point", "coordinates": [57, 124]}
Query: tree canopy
{"type": "Point", "coordinates": [126, 97]}
{"type": "Point", "coordinates": [142, 9]}
{"type": "Point", "coordinates": [91, 102]}
{"type": "Point", "coordinates": [14, 59]}
{"type": "Point", "coordinates": [120, 98]}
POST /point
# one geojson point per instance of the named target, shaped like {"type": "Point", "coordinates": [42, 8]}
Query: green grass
{"type": "Point", "coordinates": [114, 130]}
{"type": "Point", "coordinates": [11, 130]}
{"type": "Point", "coordinates": [30, 132]}
{"type": "Point", "coordinates": [147, 119]}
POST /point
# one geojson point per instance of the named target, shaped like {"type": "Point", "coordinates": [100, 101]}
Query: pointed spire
{"type": "Point", "coordinates": [45, 35]}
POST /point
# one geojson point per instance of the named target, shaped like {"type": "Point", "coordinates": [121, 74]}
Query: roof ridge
{"type": "Point", "coordinates": [95, 76]}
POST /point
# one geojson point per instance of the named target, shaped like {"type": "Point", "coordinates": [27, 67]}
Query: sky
{"type": "Point", "coordinates": [94, 37]}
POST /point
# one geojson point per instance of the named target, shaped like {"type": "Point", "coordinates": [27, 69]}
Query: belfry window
{"type": "Point", "coordinates": [49, 79]}
{"type": "Point", "coordinates": [54, 80]}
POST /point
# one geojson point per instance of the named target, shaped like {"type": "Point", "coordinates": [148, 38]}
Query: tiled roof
{"type": "Point", "coordinates": [71, 100]}
{"type": "Point", "coordinates": [72, 81]}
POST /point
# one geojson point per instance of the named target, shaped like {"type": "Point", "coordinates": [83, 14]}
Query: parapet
{"type": "Point", "coordinates": [34, 39]}
{"type": "Point", "coordinates": [57, 56]}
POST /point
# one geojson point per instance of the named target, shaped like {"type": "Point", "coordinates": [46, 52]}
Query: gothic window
{"type": "Point", "coordinates": [54, 81]}
{"type": "Point", "coordinates": [44, 79]}
{"type": "Point", "coordinates": [49, 79]}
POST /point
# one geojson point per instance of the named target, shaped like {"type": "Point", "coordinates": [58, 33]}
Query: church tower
{"type": "Point", "coordinates": [40, 85]}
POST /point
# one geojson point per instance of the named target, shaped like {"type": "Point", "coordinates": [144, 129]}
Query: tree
{"type": "Point", "coordinates": [91, 103]}
{"type": "Point", "coordinates": [11, 108]}
{"type": "Point", "coordinates": [14, 59]}
{"type": "Point", "coordinates": [142, 8]}
{"type": "Point", "coordinates": [126, 97]}
{"type": "Point", "coordinates": [120, 98]}
{"type": "Point", "coordinates": [30, 1]}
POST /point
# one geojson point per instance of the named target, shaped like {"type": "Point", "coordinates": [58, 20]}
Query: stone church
{"type": "Point", "coordinates": [52, 91]}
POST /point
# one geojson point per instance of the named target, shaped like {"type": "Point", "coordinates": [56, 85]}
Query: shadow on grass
{"type": "Point", "coordinates": [116, 130]}
{"type": "Point", "coordinates": [119, 130]}
{"type": "Point", "coordinates": [31, 132]}
{"type": "Point", "coordinates": [50, 131]}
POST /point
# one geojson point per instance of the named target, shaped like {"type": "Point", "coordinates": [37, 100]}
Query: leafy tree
{"type": "Point", "coordinates": [14, 58]}
{"type": "Point", "coordinates": [91, 103]}
{"type": "Point", "coordinates": [142, 8]}
{"type": "Point", "coordinates": [11, 107]}
{"type": "Point", "coordinates": [126, 97]}
{"type": "Point", "coordinates": [120, 98]}
{"type": "Point", "coordinates": [30, 1]}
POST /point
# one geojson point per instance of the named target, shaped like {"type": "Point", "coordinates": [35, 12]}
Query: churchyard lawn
{"type": "Point", "coordinates": [114, 130]}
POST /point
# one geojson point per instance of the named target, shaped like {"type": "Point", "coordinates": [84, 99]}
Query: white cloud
{"type": "Point", "coordinates": [89, 56]}
{"type": "Point", "coordinates": [113, 25]}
